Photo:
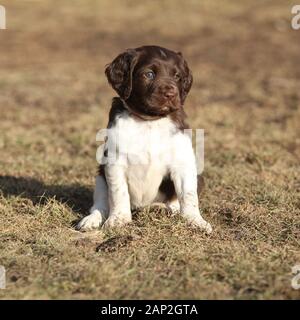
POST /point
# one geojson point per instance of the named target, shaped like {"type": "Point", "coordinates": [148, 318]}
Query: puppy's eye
{"type": "Point", "coordinates": [150, 75]}
{"type": "Point", "coordinates": [177, 76]}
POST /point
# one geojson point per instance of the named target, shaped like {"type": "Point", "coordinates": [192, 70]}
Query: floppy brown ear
{"type": "Point", "coordinates": [187, 79]}
{"type": "Point", "coordinates": [119, 72]}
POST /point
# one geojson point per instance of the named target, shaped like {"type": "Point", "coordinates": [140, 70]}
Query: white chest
{"type": "Point", "coordinates": [147, 150]}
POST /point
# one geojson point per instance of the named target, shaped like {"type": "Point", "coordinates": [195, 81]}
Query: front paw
{"type": "Point", "coordinates": [196, 220]}
{"type": "Point", "coordinates": [202, 224]}
{"type": "Point", "coordinates": [114, 221]}
{"type": "Point", "coordinates": [90, 222]}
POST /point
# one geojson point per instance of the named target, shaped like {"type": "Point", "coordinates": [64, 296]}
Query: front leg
{"type": "Point", "coordinates": [118, 196]}
{"type": "Point", "coordinates": [99, 211]}
{"type": "Point", "coordinates": [185, 181]}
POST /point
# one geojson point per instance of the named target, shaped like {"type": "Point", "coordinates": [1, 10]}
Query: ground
{"type": "Point", "coordinates": [54, 98]}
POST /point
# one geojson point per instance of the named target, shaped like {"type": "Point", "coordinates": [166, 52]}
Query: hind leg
{"type": "Point", "coordinates": [166, 196]}
{"type": "Point", "coordinates": [167, 193]}
{"type": "Point", "coordinates": [173, 205]}
{"type": "Point", "coordinates": [99, 211]}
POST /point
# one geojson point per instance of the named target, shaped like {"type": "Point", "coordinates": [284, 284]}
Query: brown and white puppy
{"type": "Point", "coordinates": [155, 161]}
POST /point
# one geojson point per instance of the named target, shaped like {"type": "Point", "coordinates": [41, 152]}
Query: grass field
{"type": "Point", "coordinates": [54, 98]}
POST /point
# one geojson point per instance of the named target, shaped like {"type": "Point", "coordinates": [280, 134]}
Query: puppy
{"type": "Point", "coordinates": [155, 160]}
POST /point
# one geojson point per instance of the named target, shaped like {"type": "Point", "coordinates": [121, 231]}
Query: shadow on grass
{"type": "Point", "coordinates": [78, 197]}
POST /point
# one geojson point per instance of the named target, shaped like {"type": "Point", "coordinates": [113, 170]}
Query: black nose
{"type": "Point", "coordinates": [169, 91]}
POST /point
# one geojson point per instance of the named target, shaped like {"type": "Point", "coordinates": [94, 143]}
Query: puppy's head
{"type": "Point", "coordinates": [152, 80]}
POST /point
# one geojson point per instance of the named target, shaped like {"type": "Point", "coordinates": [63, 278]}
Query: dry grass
{"type": "Point", "coordinates": [54, 98]}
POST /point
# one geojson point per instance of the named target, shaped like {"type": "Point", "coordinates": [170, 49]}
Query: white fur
{"type": "Point", "coordinates": [148, 151]}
